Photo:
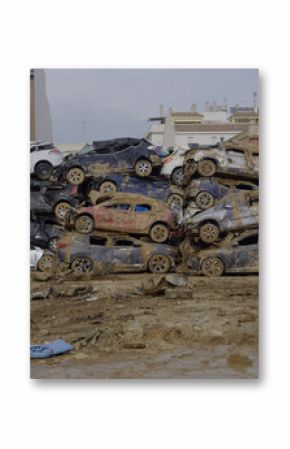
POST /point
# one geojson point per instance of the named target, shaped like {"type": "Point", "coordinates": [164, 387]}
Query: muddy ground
{"type": "Point", "coordinates": [207, 328]}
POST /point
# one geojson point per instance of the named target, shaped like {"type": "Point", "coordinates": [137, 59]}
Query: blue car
{"type": "Point", "coordinates": [160, 189]}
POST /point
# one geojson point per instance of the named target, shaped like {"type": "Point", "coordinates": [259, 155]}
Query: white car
{"type": "Point", "coordinates": [35, 255]}
{"type": "Point", "coordinates": [44, 157]}
{"type": "Point", "coordinates": [172, 166]}
{"type": "Point", "coordinates": [40, 259]}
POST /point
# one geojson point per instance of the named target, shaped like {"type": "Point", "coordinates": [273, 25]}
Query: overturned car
{"type": "Point", "coordinates": [123, 253]}
{"type": "Point", "coordinates": [233, 213]}
{"type": "Point", "coordinates": [125, 212]}
{"type": "Point", "coordinates": [116, 155]}
{"type": "Point", "coordinates": [236, 255]}
{"type": "Point", "coordinates": [238, 162]}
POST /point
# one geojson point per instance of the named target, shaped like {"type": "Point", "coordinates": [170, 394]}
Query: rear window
{"type": "Point", "coordinates": [142, 208]}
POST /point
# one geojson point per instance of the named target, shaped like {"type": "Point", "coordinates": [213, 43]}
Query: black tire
{"type": "Point", "coordinates": [43, 170]}
{"type": "Point", "coordinates": [82, 264]}
{"type": "Point", "coordinates": [159, 263]}
{"type": "Point", "coordinates": [84, 224]}
{"type": "Point", "coordinates": [52, 244]}
{"type": "Point", "coordinates": [204, 200]}
{"type": "Point", "coordinates": [177, 176]}
{"type": "Point", "coordinates": [46, 263]}
{"type": "Point", "coordinates": [143, 168]}
{"type": "Point", "coordinates": [209, 232]}
{"type": "Point", "coordinates": [60, 210]}
{"type": "Point", "coordinates": [75, 176]}
{"type": "Point", "coordinates": [206, 168]}
{"type": "Point", "coordinates": [212, 267]}
{"type": "Point", "coordinates": [159, 233]}
{"type": "Point", "coordinates": [174, 199]}
{"type": "Point", "coordinates": [108, 187]}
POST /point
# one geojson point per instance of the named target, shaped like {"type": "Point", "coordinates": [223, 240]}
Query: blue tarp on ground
{"type": "Point", "coordinates": [49, 349]}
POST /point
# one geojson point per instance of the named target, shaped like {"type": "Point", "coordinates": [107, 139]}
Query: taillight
{"type": "Point", "coordinates": [54, 151]}
{"type": "Point", "coordinates": [61, 245]}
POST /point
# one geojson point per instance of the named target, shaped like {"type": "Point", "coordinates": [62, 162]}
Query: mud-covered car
{"type": "Point", "coordinates": [205, 191]}
{"type": "Point", "coordinates": [117, 155]}
{"type": "Point", "coordinates": [154, 187]}
{"type": "Point", "coordinates": [44, 158]}
{"type": "Point", "coordinates": [55, 199]}
{"type": "Point", "coordinates": [234, 213]}
{"type": "Point", "coordinates": [125, 212]}
{"type": "Point", "coordinates": [239, 255]}
{"type": "Point", "coordinates": [41, 260]}
{"type": "Point", "coordinates": [238, 162]}
{"type": "Point", "coordinates": [124, 253]}
{"type": "Point", "coordinates": [172, 166]}
{"type": "Point", "coordinates": [44, 233]}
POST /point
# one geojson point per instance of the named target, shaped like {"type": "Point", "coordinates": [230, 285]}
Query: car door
{"type": "Point", "coordinates": [116, 216]}
{"type": "Point", "coordinates": [99, 249]}
{"type": "Point", "coordinates": [143, 215]}
{"type": "Point", "coordinates": [126, 253]}
{"type": "Point", "coordinates": [247, 253]}
{"type": "Point", "coordinates": [98, 162]}
{"type": "Point", "coordinates": [235, 159]}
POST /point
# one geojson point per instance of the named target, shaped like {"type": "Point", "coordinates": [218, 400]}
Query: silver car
{"type": "Point", "coordinates": [44, 157]}
{"type": "Point", "coordinates": [243, 163]}
{"type": "Point", "coordinates": [235, 213]}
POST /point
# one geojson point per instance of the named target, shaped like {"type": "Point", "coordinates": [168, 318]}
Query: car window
{"type": "Point", "coordinates": [236, 152]}
{"type": "Point", "coordinates": [119, 206]}
{"type": "Point", "coordinates": [142, 208]}
{"type": "Point", "coordinates": [99, 241]}
{"type": "Point", "coordinates": [123, 242]}
{"type": "Point", "coordinates": [250, 240]}
{"type": "Point", "coordinates": [245, 187]}
{"type": "Point", "coordinates": [100, 151]}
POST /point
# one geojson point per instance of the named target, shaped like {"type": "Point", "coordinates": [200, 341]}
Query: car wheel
{"type": "Point", "coordinates": [75, 176]}
{"type": "Point", "coordinates": [108, 187]}
{"type": "Point", "coordinates": [43, 170]}
{"type": "Point", "coordinates": [143, 168]}
{"type": "Point", "coordinates": [52, 244]}
{"type": "Point", "coordinates": [84, 224]}
{"type": "Point", "coordinates": [82, 265]}
{"type": "Point", "coordinates": [159, 263]}
{"type": "Point", "coordinates": [209, 232]}
{"type": "Point", "coordinates": [159, 233]}
{"type": "Point", "coordinates": [177, 176]}
{"type": "Point", "coordinates": [61, 209]}
{"type": "Point", "coordinates": [206, 167]}
{"type": "Point", "coordinates": [212, 267]}
{"type": "Point", "coordinates": [174, 199]}
{"type": "Point", "coordinates": [46, 263]}
{"type": "Point", "coordinates": [204, 200]}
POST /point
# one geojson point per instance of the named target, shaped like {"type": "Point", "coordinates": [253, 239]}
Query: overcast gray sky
{"type": "Point", "coordinates": [93, 104]}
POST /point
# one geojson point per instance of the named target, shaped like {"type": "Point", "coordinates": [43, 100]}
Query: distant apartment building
{"type": "Point", "coordinates": [208, 127]}
{"type": "Point", "coordinates": [40, 118]}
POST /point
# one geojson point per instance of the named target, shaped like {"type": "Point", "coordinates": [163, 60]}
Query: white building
{"type": "Point", "coordinates": [183, 128]}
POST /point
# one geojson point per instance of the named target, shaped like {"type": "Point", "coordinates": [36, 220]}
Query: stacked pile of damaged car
{"type": "Point", "coordinates": [130, 206]}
